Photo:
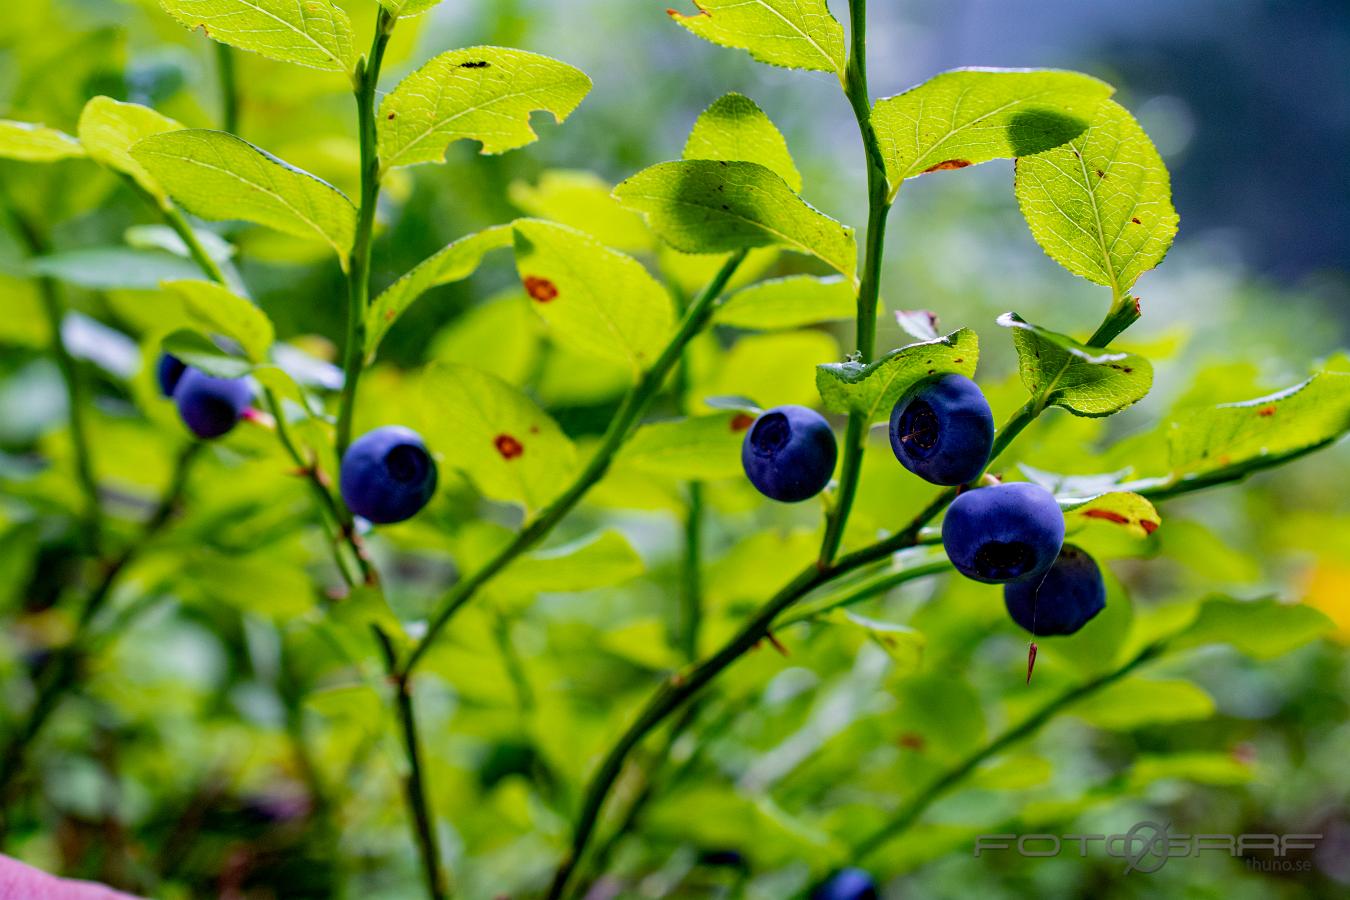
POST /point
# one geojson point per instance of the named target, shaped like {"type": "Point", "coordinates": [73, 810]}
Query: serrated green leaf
{"type": "Point", "coordinates": [789, 303]}
{"type": "Point", "coordinates": [1262, 629]}
{"type": "Point", "coordinates": [872, 389]}
{"type": "Point", "coordinates": [1256, 433]}
{"type": "Point", "coordinates": [969, 116]}
{"type": "Point", "coordinates": [1086, 381]}
{"type": "Point", "coordinates": [595, 561]}
{"type": "Point", "coordinates": [500, 439]}
{"type": "Point", "coordinates": [693, 449]}
{"type": "Point", "coordinates": [595, 300]}
{"type": "Point", "coordinates": [111, 268]}
{"type": "Point", "coordinates": [484, 94]}
{"type": "Point", "coordinates": [219, 176]}
{"type": "Point", "coordinates": [454, 262]}
{"type": "Point", "coordinates": [1101, 205]}
{"type": "Point", "coordinates": [1123, 509]}
{"type": "Point", "coordinates": [1137, 702]}
{"type": "Point", "coordinates": [797, 34]}
{"type": "Point", "coordinates": [28, 142]}
{"type": "Point", "coordinates": [109, 128]}
{"type": "Point", "coordinates": [313, 33]}
{"type": "Point", "coordinates": [216, 311]}
{"type": "Point", "coordinates": [716, 206]}
{"type": "Point", "coordinates": [734, 128]}
{"type": "Point", "coordinates": [584, 201]}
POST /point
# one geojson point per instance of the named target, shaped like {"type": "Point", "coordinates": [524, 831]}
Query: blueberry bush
{"type": "Point", "coordinates": [388, 512]}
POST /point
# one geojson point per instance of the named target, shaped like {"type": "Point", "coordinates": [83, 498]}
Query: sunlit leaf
{"type": "Point", "coordinates": [484, 94]}
{"type": "Point", "coordinates": [596, 561]}
{"type": "Point", "coordinates": [798, 34]}
{"type": "Point", "coordinates": [313, 33]}
{"type": "Point", "coordinates": [1120, 508]}
{"type": "Point", "coordinates": [28, 142]}
{"type": "Point", "coordinates": [697, 448]}
{"type": "Point", "coordinates": [109, 128]}
{"type": "Point", "coordinates": [219, 312]}
{"type": "Point", "coordinates": [584, 201]}
{"type": "Point", "coordinates": [1086, 381]}
{"type": "Point", "coordinates": [872, 389]}
{"type": "Point", "coordinates": [734, 128]}
{"type": "Point", "coordinates": [789, 303]}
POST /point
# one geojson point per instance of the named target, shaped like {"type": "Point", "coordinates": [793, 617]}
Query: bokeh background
{"type": "Point", "coordinates": [185, 770]}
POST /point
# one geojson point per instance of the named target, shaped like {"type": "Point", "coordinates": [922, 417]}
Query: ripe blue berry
{"type": "Point", "coordinates": [942, 430]}
{"type": "Point", "coordinates": [210, 407]}
{"type": "Point", "coordinates": [1062, 602]}
{"type": "Point", "coordinates": [169, 371]}
{"type": "Point", "coordinates": [789, 453]}
{"type": "Point", "coordinates": [847, 884]}
{"type": "Point", "coordinates": [1005, 532]}
{"type": "Point", "coordinates": [388, 475]}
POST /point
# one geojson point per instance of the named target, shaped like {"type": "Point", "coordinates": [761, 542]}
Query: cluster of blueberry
{"type": "Point", "coordinates": [387, 475]}
{"type": "Point", "coordinates": [942, 430]}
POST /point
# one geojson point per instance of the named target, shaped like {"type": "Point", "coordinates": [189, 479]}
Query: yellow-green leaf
{"type": "Point", "coordinates": [734, 128]}
{"type": "Point", "coordinates": [797, 34]}
{"type": "Point", "coordinates": [28, 142]}
{"type": "Point", "coordinates": [217, 311]}
{"type": "Point", "coordinates": [1120, 508]}
{"type": "Point", "coordinates": [789, 303]}
{"type": "Point", "coordinates": [1101, 205]}
{"type": "Point", "coordinates": [1087, 381]}
{"type": "Point", "coordinates": [313, 33]}
{"type": "Point", "coordinates": [484, 94]}
{"type": "Point", "coordinates": [109, 128]}
{"type": "Point", "coordinates": [584, 201]}
{"type": "Point", "coordinates": [219, 176]}
{"type": "Point", "coordinates": [872, 389]}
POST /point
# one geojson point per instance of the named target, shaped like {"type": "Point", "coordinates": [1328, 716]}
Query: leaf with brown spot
{"type": "Point", "coordinates": [1119, 509]}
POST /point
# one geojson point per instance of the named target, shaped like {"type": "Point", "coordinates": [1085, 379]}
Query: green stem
{"type": "Point", "coordinates": [1124, 313]}
{"type": "Point", "coordinates": [55, 313]}
{"type": "Point", "coordinates": [912, 810]}
{"type": "Point", "coordinates": [627, 416]}
{"type": "Point", "coordinates": [691, 593]}
{"type": "Point", "coordinates": [358, 265]}
{"type": "Point", "coordinates": [229, 89]}
{"type": "Point", "coordinates": [59, 676]}
{"type": "Point", "coordinates": [879, 201]}
{"type": "Point", "coordinates": [864, 590]}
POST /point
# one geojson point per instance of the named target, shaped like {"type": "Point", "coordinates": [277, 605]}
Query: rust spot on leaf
{"type": "Point", "coordinates": [947, 164]}
{"type": "Point", "coordinates": [540, 289]}
{"type": "Point", "coordinates": [1107, 515]}
{"type": "Point", "coordinates": [1266, 411]}
{"type": "Point", "coordinates": [676, 14]}
{"type": "Point", "coordinates": [911, 740]}
{"type": "Point", "coordinates": [392, 116]}
{"type": "Point", "coordinates": [507, 446]}
{"type": "Point", "coordinates": [1148, 525]}
{"type": "Point", "coordinates": [741, 421]}
{"type": "Point", "coordinates": [391, 315]}
{"type": "Point", "coordinates": [1136, 221]}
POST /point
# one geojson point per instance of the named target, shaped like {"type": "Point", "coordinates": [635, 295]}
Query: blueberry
{"type": "Point", "coordinates": [388, 475]}
{"type": "Point", "coordinates": [169, 371]}
{"type": "Point", "coordinates": [1062, 602]}
{"type": "Point", "coordinates": [210, 407]}
{"type": "Point", "coordinates": [847, 884]}
{"type": "Point", "coordinates": [942, 430]}
{"type": "Point", "coordinates": [789, 453]}
{"type": "Point", "coordinates": [1005, 532]}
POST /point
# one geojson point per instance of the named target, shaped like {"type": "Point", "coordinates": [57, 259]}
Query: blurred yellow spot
{"type": "Point", "coordinates": [1328, 589]}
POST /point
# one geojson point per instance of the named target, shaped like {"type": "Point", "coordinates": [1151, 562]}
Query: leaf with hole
{"type": "Point", "coordinates": [485, 94]}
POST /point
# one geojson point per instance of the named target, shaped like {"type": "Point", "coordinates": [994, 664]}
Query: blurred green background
{"type": "Point", "coordinates": [216, 748]}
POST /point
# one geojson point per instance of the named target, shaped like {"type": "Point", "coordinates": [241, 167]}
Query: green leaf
{"type": "Point", "coordinates": [484, 94]}
{"type": "Point", "coordinates": [903, 644]}
{"type": "Point", "coordinates": [872, 389]}
{"type": "Point", "coordinates": [796, 34]}
{"type": "Point", "coordinates": [110, 268]}
{"type": "Point", "coordinates": [108, 129]}
{"type": "Point", "coordinates": [1101, 205]}
{"type": "Point", "coordinates": [1120, 508]}
{"type": "Point", "coordinates": [454, 262]}
{"type": "Point", "coordinates": [1137, 702]}
{"type": "Point", "coordinates": [789, 303]}
{"type": "Point", "coordinates": [693, 449]}
{"type": "Point", "coordinates": [200, 352]}
{"type": "Point", "coordinates": [405, 9]}
{"type": "Point", "coordinates": [1262, 629]}
{"type": "Point", "coordinates": [219, 176]}
{"type": "Point", "coordinates": [500, 439]}
{"type": "Point", "coordinates": [969, 116]}
{"type": "Point", "coordinates": [1086, 381]}
{"type": "Point", "coordinates": [366, 606]}
{"type": "Point", "coordinates": [217, 312]}
{"type": "Point", "coordinates": [595, 300]}
{"type": "Point", "coordinates": [715, 206]}
{"type": "Point", "coordinates": [1202, 768]}
{"type": "Point", "coordinates": [584, 201]}
{"type": "Point", "coordinates": [734, 128]}
{"type": "Point", "coordinates": [313, 33]}
{"type": "Point", "coordinates": [1235, 438]}
{"type": "Point", "coordinates": [28, 142]}
{"type": "Point", "coordinates": [601, 560]}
